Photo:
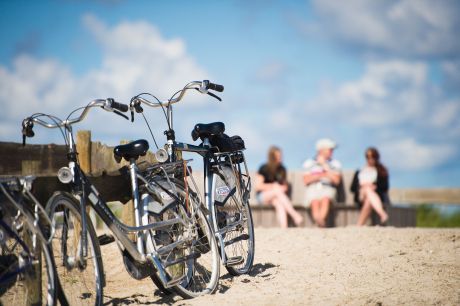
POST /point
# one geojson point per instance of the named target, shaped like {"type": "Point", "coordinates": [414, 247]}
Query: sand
{"type": "Point", "coordinates": [341, 266]}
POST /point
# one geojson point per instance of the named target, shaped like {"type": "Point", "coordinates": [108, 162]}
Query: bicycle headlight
{"type": "Point", "coordinates": [65, 175]}
{"type": "Point", "coordinates": [161, 155]}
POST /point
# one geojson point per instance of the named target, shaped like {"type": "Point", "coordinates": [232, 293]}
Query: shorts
{"type": "Point", "coordinates": [260, 198]}
{"type": "Point", "coordinates": [318, 191]}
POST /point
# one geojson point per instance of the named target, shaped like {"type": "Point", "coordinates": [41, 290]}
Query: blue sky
{"type": "Point", "coordinates": [380, 73]}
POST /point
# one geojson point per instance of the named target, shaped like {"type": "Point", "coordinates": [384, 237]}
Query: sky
{"type": "Point", "coordinates": [364, 73]}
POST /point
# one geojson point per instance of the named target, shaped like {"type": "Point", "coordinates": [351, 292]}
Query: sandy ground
{"type": "Point", "coordinates": [342, 266]}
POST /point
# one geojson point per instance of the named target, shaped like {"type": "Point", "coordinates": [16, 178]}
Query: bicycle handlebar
{"type": "Point", "coordinates": [201, 86]}
{"type": "Point", "coordinates": [108, 104]}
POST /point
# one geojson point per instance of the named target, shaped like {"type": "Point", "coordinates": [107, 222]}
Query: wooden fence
{"type": "Point", "coordinates": [97, 161]}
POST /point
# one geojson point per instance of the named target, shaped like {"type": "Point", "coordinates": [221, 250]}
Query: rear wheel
{"type": "Point", "coordinates": [233, 223]}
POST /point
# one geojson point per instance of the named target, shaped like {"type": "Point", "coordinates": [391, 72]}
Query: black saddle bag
{"type": "Point", "coordinates": [226, 143]}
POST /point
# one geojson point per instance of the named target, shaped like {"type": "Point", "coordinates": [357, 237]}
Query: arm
{"type": "Point", "coordinates": [261, 186]}
{"type": "Point", "coordinates": [309, 178]}
{"type": "Point", "coordinates": [334, 176]}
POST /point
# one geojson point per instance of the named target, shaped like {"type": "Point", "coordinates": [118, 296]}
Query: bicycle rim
{"type": "Point", "coordinates": [80, 278]}
{"type": "Point", "coordinates": [202, 273]}
{"type": "Point", "coordinates": [26, 272]}
{"type": "Point", "coordinates": [196, 262]}
{"type": "Point", "coordinates": [234, 221]}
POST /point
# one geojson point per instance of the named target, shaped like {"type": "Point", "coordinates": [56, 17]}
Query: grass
{"type": "Point", "coordinates": [430, 216]}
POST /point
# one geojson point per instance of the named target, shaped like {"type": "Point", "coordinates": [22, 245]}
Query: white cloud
{"type": "Point", "coordinates": [136, 58]}
{"type": "Point", "coordinates": [407, 154]}
{"type": "Point", "coordinates": [397, 106]}
{"type": "Point", "coordinates": [451, 71]}
{"type": "Point", "coordinates": [389, 92]}
{"type": "Point", "coordinates": [406, 27]}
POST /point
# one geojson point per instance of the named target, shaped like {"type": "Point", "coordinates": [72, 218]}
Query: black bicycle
{"type": "Point", "coordinates": [27, 270]}
{"type": "Point", "coordinates": [174, 244]}
{"type": "Point", "coordinates": [227, 183]}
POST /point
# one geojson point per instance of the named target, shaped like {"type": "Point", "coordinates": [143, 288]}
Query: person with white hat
{"type": "Point", "coordinates": [322, 176]}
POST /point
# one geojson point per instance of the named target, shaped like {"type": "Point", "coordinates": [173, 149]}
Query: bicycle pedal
{"type": "Point", "coordinates": [174, 282]}
{"type": "Point", "coordinates": [233, 261]}
{"type": "Point", "coordinates": [105, 239]}
{"type": "Point", "coordinates": [237, 239]}
{"type": "Point", "coordinates": [182, 259]}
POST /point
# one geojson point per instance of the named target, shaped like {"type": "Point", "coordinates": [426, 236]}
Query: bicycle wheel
{"type": "Point", "coordinates": [233, 223]}
{"type": "Point", "coordinates": [194, 264]}
{"type": "Point", "coordinates": [27, 273]}
{"type": "Point", "coordinates": [81, 279]}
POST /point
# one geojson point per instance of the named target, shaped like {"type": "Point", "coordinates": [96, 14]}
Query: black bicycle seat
{"type": "Point", "coordinates": [202, 130]}
{"type": "Point", "coordinates": [131, 150]}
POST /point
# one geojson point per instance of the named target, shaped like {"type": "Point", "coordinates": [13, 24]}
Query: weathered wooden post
{"type": "Point", "coordinates": [127, 213]}
{"type": "Point", "coordinates": [83, 143]}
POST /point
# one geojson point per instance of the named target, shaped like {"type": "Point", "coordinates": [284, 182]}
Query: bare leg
{"type": "Point", "coordinates": [298, 219]}
{"type": "Point", "coordinates": [315, 209]}
{"type": "Point", "coordinates": [280, 212]}
{"type": "Point", "coordinates": [376, 203]}
{"type": "Point", "coordinates": [324, 210]}
{"type": "Point", "coordinates": [365, 213]}
{"type": "Point", "coordinates": [272, 197]}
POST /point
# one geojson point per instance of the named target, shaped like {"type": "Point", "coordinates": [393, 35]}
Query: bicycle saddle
{"type": "Point", "coordinates": [202, 130]}
{"type": "Point", "coordinates": [131, 150]}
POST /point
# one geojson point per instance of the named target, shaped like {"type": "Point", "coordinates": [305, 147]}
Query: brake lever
{"type": "Point", "coordinates": [27, 130]}
{"type": "Point", "coordinates": [132, 116]}
{"type": "Point", "coordinates": [214, 96]}
{"type": "Point", "coordinates": [120, 114]}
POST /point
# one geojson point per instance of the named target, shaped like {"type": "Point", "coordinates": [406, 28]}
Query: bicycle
{"type": "Point", "coordinates": [227, 183]}
{"type": "Point", "coordinates": [27, 270]}
{"type": "Point", "coordinates": [171, 229]}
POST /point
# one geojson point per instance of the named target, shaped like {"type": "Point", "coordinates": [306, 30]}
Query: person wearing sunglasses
{"type": "Point", "coordinates": [370, 186]}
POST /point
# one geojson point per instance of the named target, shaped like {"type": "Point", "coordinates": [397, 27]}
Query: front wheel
{"type": "Point", "coordinates": [81, 277]}
{"type": "Point", "coordinates": [192, 262]}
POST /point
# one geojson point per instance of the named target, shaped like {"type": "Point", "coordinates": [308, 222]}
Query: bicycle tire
{"type": "Point", "coordinates": [197, 281]}
{"type": "Point", "coordinates": [82, 282]}
{"type": "Point", "coordinates": [27, 273]}
{"type": "Point", "coordinates": [239, 242]}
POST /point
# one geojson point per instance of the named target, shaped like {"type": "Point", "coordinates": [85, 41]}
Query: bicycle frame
{"type": "Point", "coordinates": [90, 194]}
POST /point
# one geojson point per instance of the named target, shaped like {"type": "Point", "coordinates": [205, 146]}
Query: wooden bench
{"type": "Point", "coordinates": [343, 213]}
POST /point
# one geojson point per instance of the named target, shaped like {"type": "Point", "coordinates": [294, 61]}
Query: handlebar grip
{"type": "Point", "coordinates": [119, 106]}
{"type": "Point", "coordinates": [216, 87]}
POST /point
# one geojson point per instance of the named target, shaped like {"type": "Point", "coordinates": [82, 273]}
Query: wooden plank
{"type": "Point", "coordinates": [83, 144]}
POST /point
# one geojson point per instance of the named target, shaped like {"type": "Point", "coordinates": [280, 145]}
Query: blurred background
{"type": "Point", "coordinates": [380, 73]}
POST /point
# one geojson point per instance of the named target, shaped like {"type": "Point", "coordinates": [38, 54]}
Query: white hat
{"type": "Point", "coordinates": [325, 143]}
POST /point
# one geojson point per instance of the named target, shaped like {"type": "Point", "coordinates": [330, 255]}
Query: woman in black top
{"type": "Point", "coordinates": [370, 186]}
{"type": "Point", "coordinates": [272, 188]}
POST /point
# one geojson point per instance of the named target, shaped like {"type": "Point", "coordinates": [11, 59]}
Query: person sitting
{"type": "Point", "coordinates": [272, 188]}
{"type": "Point", "coordinates": [370, 186]}
{"type": "Point", "coordinates": [322, 176]}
